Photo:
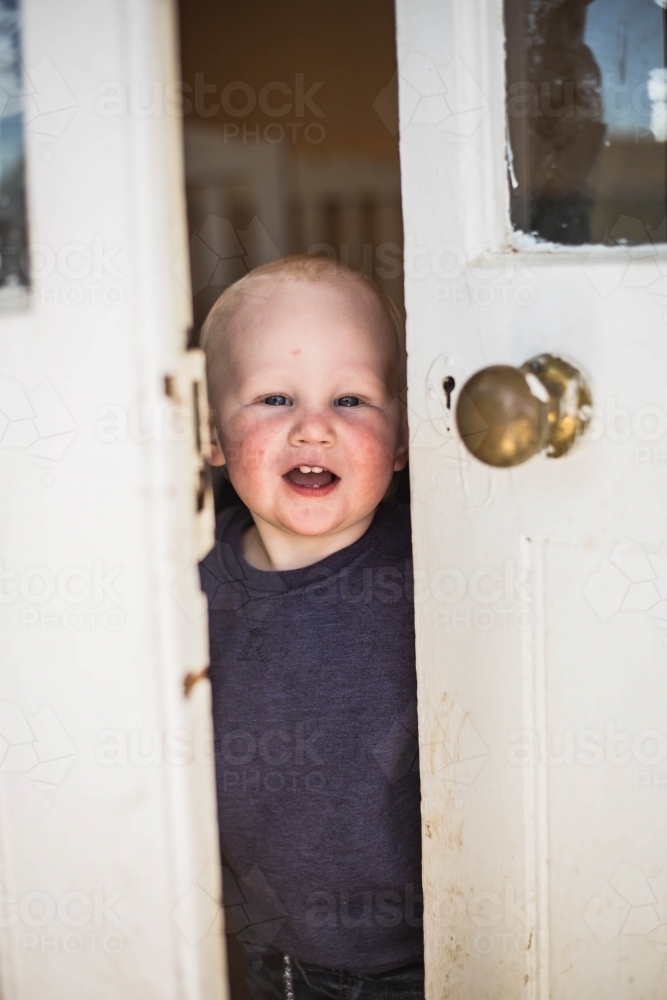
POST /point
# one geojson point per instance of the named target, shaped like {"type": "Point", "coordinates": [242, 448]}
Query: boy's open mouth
{"type": "Point", "coordinates": [313, 477]}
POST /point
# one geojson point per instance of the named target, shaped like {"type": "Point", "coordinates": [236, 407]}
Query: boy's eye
{"type": "Point", "coordinates": [277, 400]}
{"type": "Point", "coordinates": [348, 401]}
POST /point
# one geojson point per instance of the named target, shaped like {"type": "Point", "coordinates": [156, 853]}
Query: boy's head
{"type": "Point", "coordinates": [306, 364]}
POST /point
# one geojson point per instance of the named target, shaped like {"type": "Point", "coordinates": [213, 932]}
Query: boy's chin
{"type": "Point", "coordinates": [315, 525]}
{"type": "Point", "coordinates": [321, 521]}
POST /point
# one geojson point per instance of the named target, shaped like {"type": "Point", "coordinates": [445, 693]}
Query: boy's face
{"type": "Point", "coordinates": [307, 415]}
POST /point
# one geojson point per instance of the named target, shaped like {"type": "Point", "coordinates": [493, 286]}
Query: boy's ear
{"type": "Point", "coordinates": [403, 444]}
{"type": "Point", "coordinates": [217, 456]}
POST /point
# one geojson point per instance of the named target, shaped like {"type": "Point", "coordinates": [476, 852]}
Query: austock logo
{"type": "Point", "coordinates": [447, 98]}
{"type": "Point", "coordinates": [633, 243]}
{"type": "Point", "coordinates": [252, 911]}
{"type": "Point", "coordinates": [630, 903]}
{"type": "Point", "coordinates": [35, 421]}
{"type": "Point", "coordinates": [219, 255]}
{"type": "Point", "coordinates": [35, 746]}
{"type": "Point", "coordinates": [453, 749]}
{"type": "Point", "coordinates": [38, 94]}
{"type": "Point", "coordinates": [630, 579]}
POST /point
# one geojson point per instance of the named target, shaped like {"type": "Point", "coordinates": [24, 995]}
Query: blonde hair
{"type": "Point", "coordinates": [296, 267]}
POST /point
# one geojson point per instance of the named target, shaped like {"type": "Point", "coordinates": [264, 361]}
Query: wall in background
{"type": "Point", "coordinates": [291, 137]}
{"type": "Point", "coordinates": [347, 46]}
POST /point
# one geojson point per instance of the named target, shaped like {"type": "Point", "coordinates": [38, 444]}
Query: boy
{"type": "Point", "coordinates": [312, 640]}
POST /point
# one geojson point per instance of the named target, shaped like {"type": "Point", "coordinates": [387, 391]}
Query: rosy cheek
{"type": "Point", "coordinates": [246, 452]}
{"type": "Point", "coordinates": [239, 425]}
{"type": "Point", "coordinates": [371, 448]}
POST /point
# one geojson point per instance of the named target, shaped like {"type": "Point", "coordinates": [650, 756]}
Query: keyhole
{"type": "Point", "coordinates": [449, 385]}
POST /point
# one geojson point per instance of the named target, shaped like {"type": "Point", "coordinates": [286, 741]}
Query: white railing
{"type": "Point", "coordinates": [249, 203]}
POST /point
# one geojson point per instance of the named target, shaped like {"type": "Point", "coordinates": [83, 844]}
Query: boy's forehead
{"type": "Point", "coordinates": [272, 294]}
{"type": "Point", "coordinates": [290, 314]}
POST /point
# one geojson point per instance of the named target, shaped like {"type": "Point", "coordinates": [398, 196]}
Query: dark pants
{"type": "Point", "coordinates": [312, 982]}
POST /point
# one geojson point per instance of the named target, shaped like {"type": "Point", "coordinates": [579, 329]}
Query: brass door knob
{"type": "Point", "coordinates": [506, 415]}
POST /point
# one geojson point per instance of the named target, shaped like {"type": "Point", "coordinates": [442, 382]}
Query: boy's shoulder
{"type": "Point", "coordinates": [231, 522]}
{"type": "Point", "coordinates": [393, 525]}
{"type": "Point", "coordinates": [223, 565]}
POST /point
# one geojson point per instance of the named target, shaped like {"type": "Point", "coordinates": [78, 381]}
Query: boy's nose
{"type": "Point", "coordinates": [313, 427]}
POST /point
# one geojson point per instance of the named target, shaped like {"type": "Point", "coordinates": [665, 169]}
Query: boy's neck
{"type": "Point", "coordinates": [269, 548]}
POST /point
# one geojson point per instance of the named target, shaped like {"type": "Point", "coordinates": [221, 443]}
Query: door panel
{"type": "Point", "coordinates": [540, 613]}
{"type": "Point", "coordinates": [108, 840]}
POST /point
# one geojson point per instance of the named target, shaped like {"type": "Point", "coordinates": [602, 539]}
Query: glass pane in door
{"type": "Point", "coordinates": [13, 88]}
{"type": "Point", "coordinates": [587, 119]}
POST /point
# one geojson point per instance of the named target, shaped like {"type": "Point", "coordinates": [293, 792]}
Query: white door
{"type": "Point", "coordinates": [540, 589]}
{"type": "Point", "coordinates": [108, 842]}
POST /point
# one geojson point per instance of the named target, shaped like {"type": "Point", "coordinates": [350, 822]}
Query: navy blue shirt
{"type": "Point", "coordinates": [314, 709]}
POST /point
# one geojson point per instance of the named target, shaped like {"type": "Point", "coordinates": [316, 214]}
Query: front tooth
{"type": "Point", "coordinates": [306, 468]}
{"type": "Point", "coordinates": [317, 468]}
